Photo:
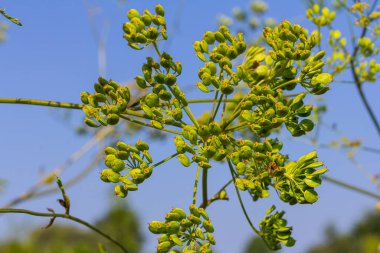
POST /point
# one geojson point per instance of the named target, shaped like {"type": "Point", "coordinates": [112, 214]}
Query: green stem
{"type": "Point", "coordinates": [204, 186]}
{"type": "Point", "coordinates": [191, 116]}
{"type": "Point", "coordinates": [65, 216]}
{"type": "Point", "coordinates": [196, 185]}
{"type": "Point", "coordinates": [164, 160]}
{"type": "Point", "coordinates": [351, 187]}
{"type": "Point", "coordinates": [214, 198]}
{"type": "Point", "coordinates": [240, 200]}
{"type": "Point", "coordinates": [28, 101]}
{"type": "Point", "coordinates": [194, 101]}
{"type": "Point", "coordinates": [296, 80]}
{"type": "Point", "coordinates": [237, 127]}
{"type": "Point", "coordinates": [213, 106]}
{"type": "Point", "coordinates": [217, 107]}
{"type": "Point", "coordinates": [143, 115]}
{"type": "Point", "coordinates": [148, 125]}
{"type": "Point", "coordinates": [156, 48]}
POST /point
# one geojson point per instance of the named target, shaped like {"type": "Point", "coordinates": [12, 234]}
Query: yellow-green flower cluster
{"type": "Point", "coordinates": [106, 104]}
{"type": "Point", "coordinates": [133, 160]}
{"type": "Point", "coordinates": [193, 232]}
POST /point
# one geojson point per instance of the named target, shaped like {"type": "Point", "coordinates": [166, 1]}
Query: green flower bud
{"type": "Point", "coordinates": [152, 33]}
{"type": "Point", "coordinates": [90, 123]}
{"type": "Point", "coordinates": [194, 210]}
{"type": "Point", "coordinates": [194, 219]}
{"type": "Point", "coordinates": [133, 13]}
{"type": "Point", "coordinates": [110, 151]}
{"type": "Point", "coordinates": [164, 247]}
{"type": "Point", "coordinates": [199, 234]}
{"type": "Point", "coordinates": [172, 227]}
{"type": "Point", "coordinates": [108, 175]}
{"type": "Point", "coordinates": [209, 37]}
{"type": "Point", "coordinates": [184, 160]}
{"type": "Point", "coordinates": [120, 191]}
{"type": "Point", "coordinates": [208, 226]}
{"type": "Point", "coordinates": [123, 155]}
{"type": "Point", "coordinates": [141, 145]}
{"type": "Point", "coordinates": [170, 79]}
{"type": "Point", "coordinates": [219, 37]}
{"type": "Point", "coordinates": [241, 168]}
{"type": "Point", "coordinates": [147, 19]}
{"type": "Point", "coordinates": [203, 213]}
{"type": "Point", "coordinates": [306, 125]}
{"type": "Point", "coordinates": [152, 100]}
{"type": "Point", "coordinates": [160, 10]}
{"type": "Point", "coordinates": [186, 223]}
{"type": "Point", "coordinates": [138, 24]}
{"type": "Point", "coordinates": [131, 187]}
{"type": "Point", "coordinates": [211, 238]}
{"type": "Point", "coordinates": [140, 81]}
{"type": "Point", "coordinates": [157, 227]}
{"type": "Point", "coordinates": [180, 212]}
{"type": "Point", "coordinates": [241, 46]}
{"type": "Point", "coordinates": [172, 217]}
{"type": "Point", "coordinates": [84, 97]}
{"type": "Point", "coordinates": [112, 119]}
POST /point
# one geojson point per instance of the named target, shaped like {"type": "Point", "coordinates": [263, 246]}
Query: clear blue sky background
{"type": "Point", "coordinates": [54, 57]}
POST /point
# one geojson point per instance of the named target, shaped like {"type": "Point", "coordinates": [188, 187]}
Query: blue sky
{"type": "Point", "coordinates": [54, 57]}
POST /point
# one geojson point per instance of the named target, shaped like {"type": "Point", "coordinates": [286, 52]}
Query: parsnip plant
{"type": "Point", "coordinates": [254, 91]}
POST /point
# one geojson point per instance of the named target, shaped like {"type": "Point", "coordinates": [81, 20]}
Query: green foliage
{"type": "Point", "coordinates": [363, 237]}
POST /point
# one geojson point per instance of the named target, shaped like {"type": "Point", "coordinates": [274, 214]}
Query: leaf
{"type": "Point", "coordinates": [311, 196]}
{"type": "Point", "coordinates": [319, 172]}
{"type": "Point", "coordinates": [313, 182]}
{"type": "Point", "coordinates": [270, 210]}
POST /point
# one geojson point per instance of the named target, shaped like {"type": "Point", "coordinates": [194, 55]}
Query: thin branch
{"type": "Point", "coordinates": [66, 216]}
{"type": "Point", "coordinates": [28, 101]}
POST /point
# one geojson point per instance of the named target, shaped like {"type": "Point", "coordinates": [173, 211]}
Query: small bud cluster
{"type": "Point", "coordinates": [368, 71]}
{"type": "Point", "coordinates": [320, 17]}
{"type": "Point", "coordinates": [163, 105]}
{"type": "Point", "coordinates": [193, 231]}
{"type": "Point", "coordinates": [143, 29]}
{"type": "Point", "coordinates": [339, 58]}
{"type": "Point", "coordinates": [135, 160]}
{"type": "Point", "coordinates": [106, 104]}
{"type": "Point", "coordinates": [219, 57]}
{"type": "Point", "coordinates": [274, 230]}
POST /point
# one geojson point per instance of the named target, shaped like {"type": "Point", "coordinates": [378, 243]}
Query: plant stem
{"type": "Point", "coordinates": [164, 160]}
{"type": "Point", "coordinates": [65, 216]}
{"type": "Point", "coordinates": [196, 185]}
{"type": "Point", "coordinates": [208, 202]}
{"type": "Point", "coordinates": [240, 200]}
{"type": "Point", "coordinates": [148, 125]}
{"type": "Point", "coordinates": [351, 187]}
{"type": "Point", "coordinates": [217, 107]}
{"type": "Point", "coordinates": [204, 186]}
{"type": "Point", "coordinates": [28, 101]}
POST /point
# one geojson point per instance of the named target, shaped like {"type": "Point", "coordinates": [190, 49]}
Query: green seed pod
{"type": "Point", "coordinates": [140, 81]}
{"type": "Point", "coordinates": [203, 213]}
{"type": "Point", "coordinates": [184, 160]}
{"type": "Point", "coordinates": [220, 155]}
{"type": "Point", "coordinates": [318, 56]}
{"type": "Point", "coordinates": [241, 168]}
{"type": "Point", "coordinates": [131, 187]}
{"type": "Point", "coordinates": [208, 226]}
{"type": "Point", "coordinates": [307, 125]}
{"type": "Point", "coordinates": [129, 29]}
{"type": "Point", "coordinates": [112, 119]}
{"type": "Point", "coordinates": [147, 19]}
{"type": "Point", "coordinates": [157, 227]}
{"type": "Point", "coordinates": [120, 191]}
{"type": "Point", "coordinates": [160, 10]}
{"type": "Point", "coordinates": [194, 210]}
{"type": "Point", "coordinates": [108, 175]}
{"type": "Point", "coordinates": [219, 37]}
{"type": "Point", "coordinates": [123, 155]}
{"type": "Point", "coordinates": [240, 47]}
{"type": "Point", "coordinates": [90, 123]}
{"type": "Point", "coordinates": [172, 217]}
{"type": "Point", "coordinates": [194, 219]}
{"type": "Point", "coordinates": [152, 33]}
{"type": "Point", "coordinates": [141, 145]}
{"type": "Point", "coordinates": [122, 146]}
{"type": "Point", "coordinates": [164, 247]}
{"type": "Point", "coordinates": [133, 13]}
{"type": "Point", "coordinates": [186, 223]}
{"type": "Point", "coordinates": [163, 238]}
{"type": "Point", "coordinates": [152, 100]}
{"type": "Point", "coordinates": [110, 151]}
{"type": "Point", "coordinates": [180, 212]}
{"type": "Point", "coordinates": [211, 238]}
{"type": "Point", "coordinates": [170, 79]}
{"type": "Point", "coordinates": [199, 234]}
{"type": "Point", "coordinates": [172, 227]}
{"type": "Point", "coordinates": [209, 37]}
{"type": "Point", "coordinates": [84, 97]}
{"type": "Point", "coordinates": [117, 165]}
